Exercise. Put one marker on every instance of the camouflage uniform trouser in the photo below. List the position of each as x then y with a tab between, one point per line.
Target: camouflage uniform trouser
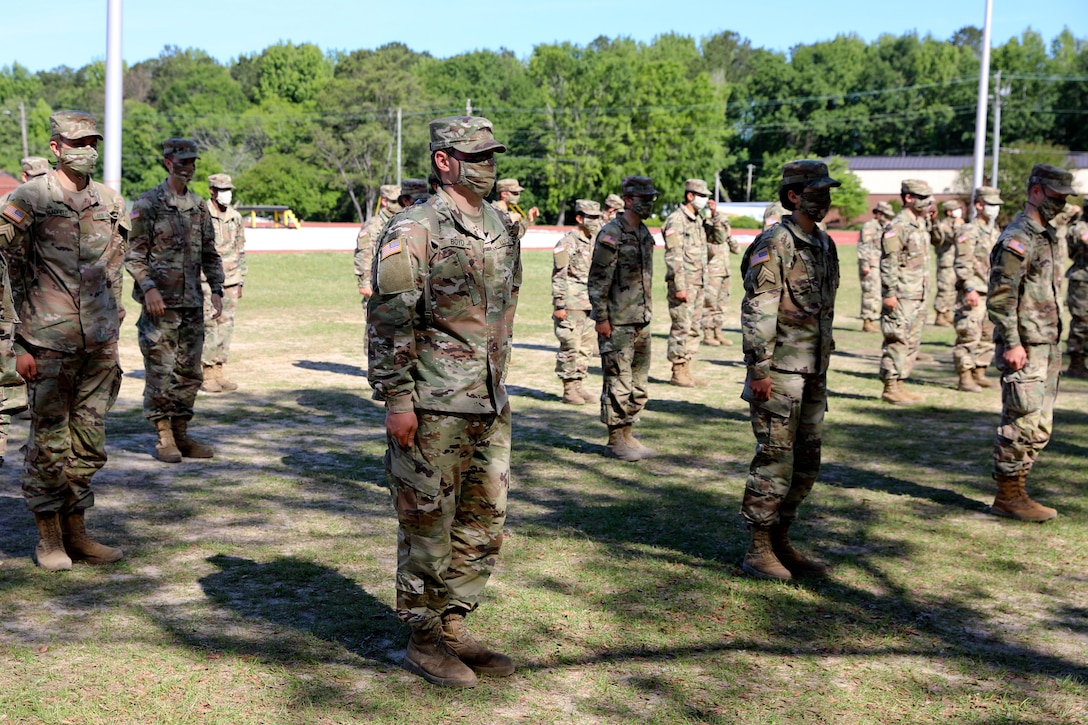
788	430
974	337
1077	301
67	443
716	295
870	290
625	360
576	337
1027	408
449	491
946	280
172	345
685	331
219	332
902	329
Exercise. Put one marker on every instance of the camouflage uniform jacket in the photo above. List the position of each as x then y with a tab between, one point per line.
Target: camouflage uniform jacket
570	271
369	234
719	232
869	242
515	222
1078	252
790	281
1025	285
172	241
440	321
773	214
973	245
230	242
65	253
944	234
621	275
904	257
685	250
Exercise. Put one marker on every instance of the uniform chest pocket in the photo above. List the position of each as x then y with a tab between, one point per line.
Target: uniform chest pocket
804	283
453	281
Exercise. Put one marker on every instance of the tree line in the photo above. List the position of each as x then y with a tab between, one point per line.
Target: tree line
317	130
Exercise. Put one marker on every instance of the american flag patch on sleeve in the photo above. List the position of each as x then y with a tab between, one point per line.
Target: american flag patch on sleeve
13	214
1016	246
390	248
608	240
759	257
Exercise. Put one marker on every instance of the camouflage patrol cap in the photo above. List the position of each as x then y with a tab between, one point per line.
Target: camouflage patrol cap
34	166
73	125
220	181
414	189
697	186
587	207
180	149
638	186
951	204
916	187
389	192
470	134
511	185
1056	179
613	201
813	174
988	195
884	208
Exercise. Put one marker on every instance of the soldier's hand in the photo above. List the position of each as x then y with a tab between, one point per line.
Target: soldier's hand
402	426
533	213
972	299
604	328
891	302
712	205
239	293
560	315
866	269
366	292
681	295
217	306
153	303
761	388
26	366
1016	357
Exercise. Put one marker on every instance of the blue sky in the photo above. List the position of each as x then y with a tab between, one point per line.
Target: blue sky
73	32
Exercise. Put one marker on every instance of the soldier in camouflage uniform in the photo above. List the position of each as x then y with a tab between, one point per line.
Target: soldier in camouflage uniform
791	275
230	242
439	330
412	192
904	272
1024	306
684	232
719	245
974	333
621	293
171	244
370	233
869	266
1077	298
509	191
570	301
613	205
64	237
773	214
944	248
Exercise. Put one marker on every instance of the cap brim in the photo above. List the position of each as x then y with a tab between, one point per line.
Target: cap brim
825	183
479	147
1059	188
83	134
185	155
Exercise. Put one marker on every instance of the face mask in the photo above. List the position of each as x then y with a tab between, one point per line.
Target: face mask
479	178
224	197
1050	208
592	226
699	202
80	160
957	213
921	205
513	199
815	204
991	211
394	207
185	173
642	207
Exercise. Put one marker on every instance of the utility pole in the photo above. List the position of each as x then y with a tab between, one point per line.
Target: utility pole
998	92
22	122
748	194
717	186
983	97
114	97
398	146
468	106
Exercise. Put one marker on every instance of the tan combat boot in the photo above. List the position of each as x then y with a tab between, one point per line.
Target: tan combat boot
760	561
870	326
468	649
586	395
636	445
571	395
190	447
166	449
428	656
211	383
943	319
1012	501
893	393
791	558
50	549
699	382
980	378
680	376
710	338
618	447
725	341
967	382
1076	366
228	386
910	397
81	546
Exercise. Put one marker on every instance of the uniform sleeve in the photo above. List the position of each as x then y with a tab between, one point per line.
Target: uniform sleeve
240	247
891	244
210	261
673	234
602	271
141	230
560	264
362	263
763	284
393	313
1008	261
964	264
115	267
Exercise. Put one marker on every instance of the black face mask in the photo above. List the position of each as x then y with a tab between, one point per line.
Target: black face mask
815	204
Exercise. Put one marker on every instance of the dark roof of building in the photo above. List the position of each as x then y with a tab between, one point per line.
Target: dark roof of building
1078	160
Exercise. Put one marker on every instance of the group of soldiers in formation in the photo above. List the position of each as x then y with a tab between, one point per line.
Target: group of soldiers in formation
440	272
65	240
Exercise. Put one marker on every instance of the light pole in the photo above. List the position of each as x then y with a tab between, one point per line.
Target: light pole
999	91
22	124
748	192
114	97
983	97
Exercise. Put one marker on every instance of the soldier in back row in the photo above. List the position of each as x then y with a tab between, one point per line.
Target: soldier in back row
509	203
943	237
869	265
230	242
370	232
974	347
570	302
719	245
613	205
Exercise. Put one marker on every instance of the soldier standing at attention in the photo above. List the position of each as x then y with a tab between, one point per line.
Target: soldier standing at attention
172	243
974	332
869	266
684	232
621	292
1024	307
944	246
773	214
230	242
791	275
370	233
1077	298
509	191
613	205
64	237
439	330
570	300
719	245
904	272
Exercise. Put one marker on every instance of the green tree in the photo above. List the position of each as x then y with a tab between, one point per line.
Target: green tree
851	199
287	180
295	73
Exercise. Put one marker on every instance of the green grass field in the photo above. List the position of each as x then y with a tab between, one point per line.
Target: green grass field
257	586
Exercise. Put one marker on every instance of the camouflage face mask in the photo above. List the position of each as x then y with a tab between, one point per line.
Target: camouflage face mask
592	226
815	204
1050	208
478	178
80	160
642	207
